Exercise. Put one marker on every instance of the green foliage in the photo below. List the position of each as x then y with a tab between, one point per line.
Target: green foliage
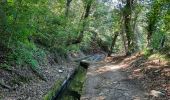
23	55
26	24
158	22
86	43
147	52
5	66
156	39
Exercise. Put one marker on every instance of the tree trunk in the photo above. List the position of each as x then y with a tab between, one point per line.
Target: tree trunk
127	12
149	39
162	41
122	33
135	30
124	41
81	34
87	12
113	43
3	18
67	7
153	19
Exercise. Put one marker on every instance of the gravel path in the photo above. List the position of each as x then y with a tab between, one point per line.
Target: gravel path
109	82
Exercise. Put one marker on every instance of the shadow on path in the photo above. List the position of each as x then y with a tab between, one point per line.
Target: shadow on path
106	81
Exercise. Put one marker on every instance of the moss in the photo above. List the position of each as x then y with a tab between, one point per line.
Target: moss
76	85
79	79
53	90
74	88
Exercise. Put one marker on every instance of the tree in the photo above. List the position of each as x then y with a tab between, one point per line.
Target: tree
127	15
156	24
113	43
153	17
88	4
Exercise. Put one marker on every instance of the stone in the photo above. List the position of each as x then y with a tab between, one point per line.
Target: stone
60	71
156	93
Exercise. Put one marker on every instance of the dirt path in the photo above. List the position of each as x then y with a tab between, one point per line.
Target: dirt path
106	81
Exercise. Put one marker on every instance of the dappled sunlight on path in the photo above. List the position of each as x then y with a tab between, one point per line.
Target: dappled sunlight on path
108	68
107	81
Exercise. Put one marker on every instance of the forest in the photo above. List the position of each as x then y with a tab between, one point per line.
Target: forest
42	42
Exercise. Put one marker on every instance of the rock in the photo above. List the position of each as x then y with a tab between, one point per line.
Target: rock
60	71
29	98
126	94
156	93
100	94
137	71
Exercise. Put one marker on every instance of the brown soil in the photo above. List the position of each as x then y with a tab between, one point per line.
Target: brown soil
25	85
154	74
127	78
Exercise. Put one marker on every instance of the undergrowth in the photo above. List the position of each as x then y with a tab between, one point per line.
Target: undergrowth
23	55
157	54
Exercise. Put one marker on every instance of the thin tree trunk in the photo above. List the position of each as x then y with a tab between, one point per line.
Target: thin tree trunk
135	29
123	35
124	41
67	7
153	19
162	41
3	18
81	34
149	35
113	43
87	12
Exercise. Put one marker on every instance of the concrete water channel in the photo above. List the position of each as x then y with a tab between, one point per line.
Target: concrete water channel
71	87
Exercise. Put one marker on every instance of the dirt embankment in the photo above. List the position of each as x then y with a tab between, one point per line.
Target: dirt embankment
153	72
21	83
